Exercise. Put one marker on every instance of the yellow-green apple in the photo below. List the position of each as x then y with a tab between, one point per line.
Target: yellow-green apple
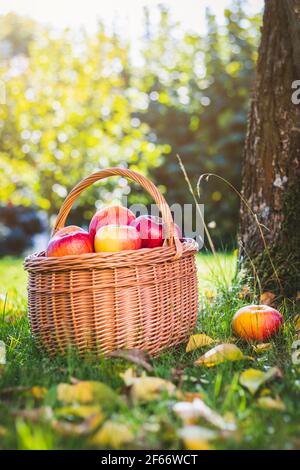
71	240
113	238
256	322
114	215
151	230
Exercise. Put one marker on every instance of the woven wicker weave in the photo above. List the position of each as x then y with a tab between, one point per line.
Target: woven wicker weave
101	302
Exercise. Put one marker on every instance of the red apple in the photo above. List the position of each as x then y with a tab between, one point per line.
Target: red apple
151	230
113	238
256	322
71	240
114	215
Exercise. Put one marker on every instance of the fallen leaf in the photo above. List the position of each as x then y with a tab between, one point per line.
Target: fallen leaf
141	358
267	298
38	392
209	294
82	411
146	388
112	435
262	347
2	353
5	304
252	379
87	392
3	431
198	341
265	391
268	403
221	353
87	426
191	411
197	437
190	396
245	292
297	322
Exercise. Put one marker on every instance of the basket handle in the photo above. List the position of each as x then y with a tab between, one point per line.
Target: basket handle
134	176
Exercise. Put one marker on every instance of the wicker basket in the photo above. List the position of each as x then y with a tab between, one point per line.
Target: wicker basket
100	302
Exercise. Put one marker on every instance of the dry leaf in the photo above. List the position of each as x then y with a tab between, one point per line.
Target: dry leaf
2	353
297	322
252	379
87	426
262	347
197	437
244	292
198	341
112	435
267	298
87	392
268	403
146	388
221	353
191	411
190	396
141	358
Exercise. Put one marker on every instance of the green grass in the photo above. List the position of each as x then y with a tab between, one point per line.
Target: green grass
153	424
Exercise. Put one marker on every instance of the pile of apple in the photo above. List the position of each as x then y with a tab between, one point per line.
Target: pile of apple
111	229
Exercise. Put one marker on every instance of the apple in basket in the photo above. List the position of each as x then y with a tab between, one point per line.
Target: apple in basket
114	215
112	238
151	230
71	240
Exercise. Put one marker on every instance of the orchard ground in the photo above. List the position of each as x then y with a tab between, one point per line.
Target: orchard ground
30	418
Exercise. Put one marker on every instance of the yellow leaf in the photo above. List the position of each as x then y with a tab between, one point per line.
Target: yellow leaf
146	388
209	294
198	341
87	426
262	347
267	298
86	392
2	353
197	437
5	304
38	392
112	435
268	403
297	322
82	411
221	353
252	379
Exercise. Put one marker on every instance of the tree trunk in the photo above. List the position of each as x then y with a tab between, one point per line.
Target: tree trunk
271	170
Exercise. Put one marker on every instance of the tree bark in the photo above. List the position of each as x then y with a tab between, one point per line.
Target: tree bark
271	168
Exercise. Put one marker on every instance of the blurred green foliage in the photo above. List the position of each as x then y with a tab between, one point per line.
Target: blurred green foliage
78	102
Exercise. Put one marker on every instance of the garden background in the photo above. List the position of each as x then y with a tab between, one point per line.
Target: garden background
76	100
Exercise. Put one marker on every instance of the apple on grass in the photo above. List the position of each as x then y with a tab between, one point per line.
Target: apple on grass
112	238
151	230
71	240
256	322
114	215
